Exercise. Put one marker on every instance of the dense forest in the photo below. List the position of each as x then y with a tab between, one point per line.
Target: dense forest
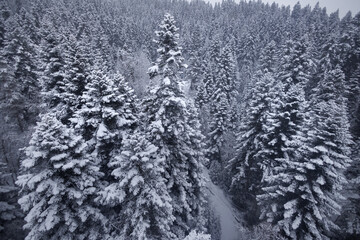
116	114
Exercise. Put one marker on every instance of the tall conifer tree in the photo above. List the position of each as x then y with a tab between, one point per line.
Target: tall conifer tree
167	128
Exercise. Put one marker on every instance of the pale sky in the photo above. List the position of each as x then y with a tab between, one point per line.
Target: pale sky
331	5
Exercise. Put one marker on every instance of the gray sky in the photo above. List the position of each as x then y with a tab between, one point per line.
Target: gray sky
331	5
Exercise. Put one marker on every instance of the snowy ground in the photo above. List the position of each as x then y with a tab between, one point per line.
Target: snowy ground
230	218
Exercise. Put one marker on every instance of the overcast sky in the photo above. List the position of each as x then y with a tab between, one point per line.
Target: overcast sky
331	5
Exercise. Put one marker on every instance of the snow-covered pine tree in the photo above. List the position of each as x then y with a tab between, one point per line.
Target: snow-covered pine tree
210	70
76	69
227	74
58	184
284	135
166	118
196	62
269	58
351	212
108	112
9	209
20	79
107	115
222	110
200	97
349	55
353	101
214	51
316	174
218	126
140	191
209	84
227	82
245	168
4	15
52	67
331	140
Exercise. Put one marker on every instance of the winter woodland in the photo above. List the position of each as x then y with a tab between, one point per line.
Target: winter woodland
178	120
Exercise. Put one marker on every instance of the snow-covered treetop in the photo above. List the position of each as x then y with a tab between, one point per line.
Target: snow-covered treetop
170	60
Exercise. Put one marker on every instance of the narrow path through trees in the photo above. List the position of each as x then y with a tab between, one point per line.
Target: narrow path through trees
230	218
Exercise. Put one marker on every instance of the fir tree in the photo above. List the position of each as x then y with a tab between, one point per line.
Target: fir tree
351	211
284	134
76	74
58	184
222	109
168	129
252	139
20	77
108	112
141	192
10	211
318	170
107	115
52	67
4	15
269	58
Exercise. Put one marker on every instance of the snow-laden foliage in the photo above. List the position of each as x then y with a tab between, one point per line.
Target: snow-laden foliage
58	184
53	53
8	197
303	192
19	75
245	167
140	191
284	136
169	60
193	235
108	109
166	117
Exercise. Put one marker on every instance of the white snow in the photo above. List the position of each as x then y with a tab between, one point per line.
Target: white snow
102	131
231	226
153	69
167	81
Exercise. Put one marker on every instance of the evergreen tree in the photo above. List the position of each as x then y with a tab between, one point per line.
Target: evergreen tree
318	170
58	184
4	15
167	127
107	115
302	193
353	102
252	139
284	137
10	212
284	134
76	74
140	190
200	97
20	79
108	112
222	110
52	67
351	211
244	168
217	127
196	61
269	58
227	82
227	74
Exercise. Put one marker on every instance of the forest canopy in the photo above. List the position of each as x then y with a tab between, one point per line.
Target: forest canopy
116	117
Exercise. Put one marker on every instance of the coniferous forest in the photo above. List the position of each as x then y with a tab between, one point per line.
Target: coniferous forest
178	120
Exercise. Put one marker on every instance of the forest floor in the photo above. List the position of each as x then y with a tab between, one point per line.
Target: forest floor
231	220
